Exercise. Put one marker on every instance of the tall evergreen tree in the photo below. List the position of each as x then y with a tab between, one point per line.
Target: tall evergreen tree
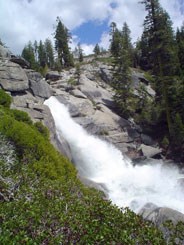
115	42
41	54
162	53
180	46
121	77
62	39
49	53
96	50
80	53
35	45
127	42
29	55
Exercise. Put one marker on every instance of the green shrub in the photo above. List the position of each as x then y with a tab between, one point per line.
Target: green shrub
72	81
49	205
42	129
5	99
21	116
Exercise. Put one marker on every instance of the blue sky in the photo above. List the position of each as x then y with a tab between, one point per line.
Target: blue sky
91	31
88	21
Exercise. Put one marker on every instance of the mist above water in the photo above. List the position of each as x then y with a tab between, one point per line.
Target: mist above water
101	162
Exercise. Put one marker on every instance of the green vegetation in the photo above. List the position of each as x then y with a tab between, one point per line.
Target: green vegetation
62	38
79	52
105	60
21	116
121	49
40	54
43	202
96	50
160	53
5	99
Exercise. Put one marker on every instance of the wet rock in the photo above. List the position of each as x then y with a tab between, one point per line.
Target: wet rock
149	151
147	140
92	184
57	140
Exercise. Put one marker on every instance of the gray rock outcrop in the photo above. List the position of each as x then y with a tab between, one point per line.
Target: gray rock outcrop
20	61
4	53
12	77
29	91
90	103
159	215
33	75
89	99
149	151
40	89
53	75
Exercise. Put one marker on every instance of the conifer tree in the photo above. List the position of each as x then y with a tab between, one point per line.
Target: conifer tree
62	39
49	53
41	54
28	54
127	42
96	50
162	54
35	45
121	77
180	46
80	53
115	42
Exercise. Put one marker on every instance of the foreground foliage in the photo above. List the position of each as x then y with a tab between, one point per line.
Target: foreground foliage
43	202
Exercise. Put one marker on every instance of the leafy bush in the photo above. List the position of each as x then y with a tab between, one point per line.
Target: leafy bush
45	203
21	116
42	129
5	99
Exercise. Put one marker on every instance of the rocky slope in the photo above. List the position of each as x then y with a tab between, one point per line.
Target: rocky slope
89	99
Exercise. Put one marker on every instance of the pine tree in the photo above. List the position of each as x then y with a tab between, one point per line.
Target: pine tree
35	45
127	42
49	53
162	54
96	50
180	46
115	42
121	77
80	53
28	54
62	39
41	54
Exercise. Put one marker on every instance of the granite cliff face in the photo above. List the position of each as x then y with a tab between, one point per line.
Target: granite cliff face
88	97
29	90
90	102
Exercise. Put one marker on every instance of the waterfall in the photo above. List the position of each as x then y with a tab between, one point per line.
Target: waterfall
101	162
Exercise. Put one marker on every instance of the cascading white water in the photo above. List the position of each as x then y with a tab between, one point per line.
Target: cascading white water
103	163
